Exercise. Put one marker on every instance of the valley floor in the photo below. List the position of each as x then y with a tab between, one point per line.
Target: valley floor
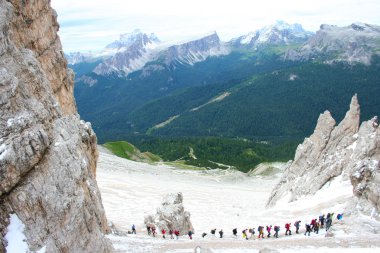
221	200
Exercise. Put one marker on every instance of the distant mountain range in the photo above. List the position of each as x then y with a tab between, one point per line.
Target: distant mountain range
268	84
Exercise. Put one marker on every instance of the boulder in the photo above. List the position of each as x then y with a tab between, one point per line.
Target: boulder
171	215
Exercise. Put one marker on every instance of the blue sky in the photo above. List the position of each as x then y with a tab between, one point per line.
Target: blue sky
89	25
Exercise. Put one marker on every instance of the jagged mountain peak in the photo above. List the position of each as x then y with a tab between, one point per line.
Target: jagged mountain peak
128	39
355	43
280	33
196	50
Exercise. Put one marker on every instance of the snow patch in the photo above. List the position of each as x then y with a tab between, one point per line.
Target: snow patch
15	236
3	151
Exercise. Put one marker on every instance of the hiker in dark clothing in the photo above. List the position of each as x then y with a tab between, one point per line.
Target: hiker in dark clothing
297	225
171	234
287	227
328	223
316	227
252	231
190	233
276	229
213	231
154	231
234	232
308	229
133	229
269	228
221	233
203	235
148	229
322	220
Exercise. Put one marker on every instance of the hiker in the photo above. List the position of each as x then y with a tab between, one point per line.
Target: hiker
316	227
133	229
297	225
171	234
287	226
148	229
203	235
308	229
190	233
234	232
269	228
163	231
221	233
322	220
176	232
213	231
245	236
261	232
339	216
252	231
154	231
312	223
328	222
276	229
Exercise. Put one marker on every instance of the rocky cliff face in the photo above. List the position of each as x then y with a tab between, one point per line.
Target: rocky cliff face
47	155
345	150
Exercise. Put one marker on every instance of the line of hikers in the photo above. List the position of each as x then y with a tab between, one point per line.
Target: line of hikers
314	226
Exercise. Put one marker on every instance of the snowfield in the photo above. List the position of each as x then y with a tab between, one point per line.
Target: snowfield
223	200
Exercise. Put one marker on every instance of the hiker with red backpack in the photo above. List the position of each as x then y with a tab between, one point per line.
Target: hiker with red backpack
276	229
287	227
176	232
163	231
312	223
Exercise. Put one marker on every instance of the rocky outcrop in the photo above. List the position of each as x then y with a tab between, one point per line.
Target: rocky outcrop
47	155
171	215
344	150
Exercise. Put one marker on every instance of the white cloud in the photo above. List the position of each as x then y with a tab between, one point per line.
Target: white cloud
91	24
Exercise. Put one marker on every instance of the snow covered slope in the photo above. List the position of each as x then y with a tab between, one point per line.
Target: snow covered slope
222	200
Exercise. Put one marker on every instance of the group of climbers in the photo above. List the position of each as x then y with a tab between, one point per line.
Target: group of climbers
313	226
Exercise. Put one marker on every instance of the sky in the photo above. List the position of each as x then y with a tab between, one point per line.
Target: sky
89	25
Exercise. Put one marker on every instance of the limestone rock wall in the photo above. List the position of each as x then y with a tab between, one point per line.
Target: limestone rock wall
47	155
332	151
